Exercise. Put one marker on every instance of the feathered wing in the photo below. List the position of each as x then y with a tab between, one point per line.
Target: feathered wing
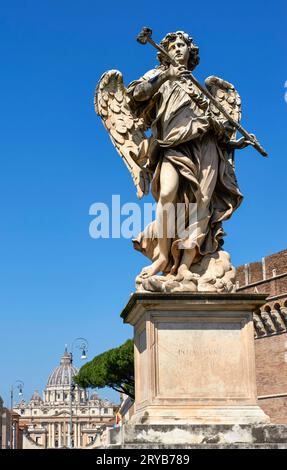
125	130
226	94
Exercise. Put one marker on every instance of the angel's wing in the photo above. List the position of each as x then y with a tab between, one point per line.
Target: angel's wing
225	93
125	130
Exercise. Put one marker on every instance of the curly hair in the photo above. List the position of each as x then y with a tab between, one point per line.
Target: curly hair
193	60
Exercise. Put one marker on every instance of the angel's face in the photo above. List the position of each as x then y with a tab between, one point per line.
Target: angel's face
178	50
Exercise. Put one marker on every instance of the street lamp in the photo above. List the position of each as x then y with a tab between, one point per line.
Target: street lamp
82	344
19	384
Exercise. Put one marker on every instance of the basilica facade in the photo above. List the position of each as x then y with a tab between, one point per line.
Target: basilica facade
65	416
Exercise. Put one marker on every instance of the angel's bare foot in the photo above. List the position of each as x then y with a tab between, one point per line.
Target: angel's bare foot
156	267
174	269
184	273
169	276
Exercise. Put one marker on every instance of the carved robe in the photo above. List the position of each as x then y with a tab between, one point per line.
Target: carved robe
182	127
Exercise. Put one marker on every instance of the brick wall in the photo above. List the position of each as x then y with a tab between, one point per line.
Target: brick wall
271	359
269	276
273	265
255	272
277	261
275	408
271	373
240	276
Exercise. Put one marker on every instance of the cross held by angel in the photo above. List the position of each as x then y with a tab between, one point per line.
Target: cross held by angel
188	159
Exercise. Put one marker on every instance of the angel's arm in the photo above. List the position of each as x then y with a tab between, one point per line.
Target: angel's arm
224	131
147	88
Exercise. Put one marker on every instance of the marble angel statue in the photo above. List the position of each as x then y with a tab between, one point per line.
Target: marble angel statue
188	159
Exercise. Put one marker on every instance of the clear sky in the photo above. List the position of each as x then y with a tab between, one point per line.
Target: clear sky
56	282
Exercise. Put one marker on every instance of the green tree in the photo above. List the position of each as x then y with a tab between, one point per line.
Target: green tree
113	368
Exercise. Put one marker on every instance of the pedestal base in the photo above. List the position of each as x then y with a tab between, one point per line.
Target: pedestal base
200	415
194	358
175	436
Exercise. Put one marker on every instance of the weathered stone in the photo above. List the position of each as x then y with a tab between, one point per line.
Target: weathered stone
199	436
194	358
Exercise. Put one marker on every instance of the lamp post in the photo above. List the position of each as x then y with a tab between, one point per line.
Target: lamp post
20	385
82	344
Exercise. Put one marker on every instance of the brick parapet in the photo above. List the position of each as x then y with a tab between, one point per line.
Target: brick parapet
269	276
270	273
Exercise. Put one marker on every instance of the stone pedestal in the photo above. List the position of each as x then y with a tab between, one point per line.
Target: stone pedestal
198	436
194	358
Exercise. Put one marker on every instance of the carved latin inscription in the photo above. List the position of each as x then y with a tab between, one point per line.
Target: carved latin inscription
205	357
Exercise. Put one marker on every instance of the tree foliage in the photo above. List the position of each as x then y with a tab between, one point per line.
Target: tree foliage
113	368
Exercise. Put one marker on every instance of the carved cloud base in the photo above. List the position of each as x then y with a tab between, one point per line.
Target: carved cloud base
214	273
194	358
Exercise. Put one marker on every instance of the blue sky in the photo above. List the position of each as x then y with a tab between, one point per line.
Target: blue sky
56	282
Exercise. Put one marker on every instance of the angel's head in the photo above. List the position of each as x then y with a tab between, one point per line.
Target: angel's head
180	47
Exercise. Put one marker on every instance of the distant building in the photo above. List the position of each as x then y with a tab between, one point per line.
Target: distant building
269	276
6	430
46	422
10	432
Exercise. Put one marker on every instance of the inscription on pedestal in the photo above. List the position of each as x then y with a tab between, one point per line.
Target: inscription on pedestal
203	357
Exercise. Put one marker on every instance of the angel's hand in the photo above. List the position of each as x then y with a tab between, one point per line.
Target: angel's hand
242	143
252	141
176	72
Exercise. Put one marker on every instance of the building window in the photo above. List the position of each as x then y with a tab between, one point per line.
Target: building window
106	410
93	411
38	439
35	412
65	396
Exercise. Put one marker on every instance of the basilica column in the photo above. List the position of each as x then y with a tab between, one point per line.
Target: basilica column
64	434
75	435
49	435
79	434
53	435
60	434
